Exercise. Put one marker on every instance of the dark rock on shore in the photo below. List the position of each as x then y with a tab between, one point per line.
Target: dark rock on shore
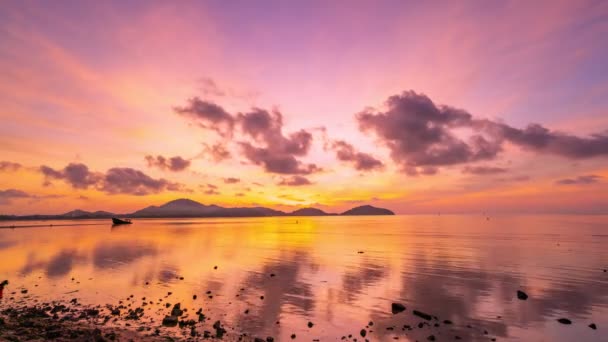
422	315
397	308
564	321
593	326
521	295
170	321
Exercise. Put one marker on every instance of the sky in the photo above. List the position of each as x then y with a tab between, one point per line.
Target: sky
419	107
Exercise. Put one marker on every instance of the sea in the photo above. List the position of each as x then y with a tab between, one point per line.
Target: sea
327	278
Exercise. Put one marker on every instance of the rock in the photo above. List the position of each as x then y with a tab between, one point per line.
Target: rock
177	310
564	321
269	339
187	323
593	326
92	312
219	330
447	321
422	315
259	339
194	297
170	321
272	275
293	336
397	308
521	295
310	324
363	332
431	338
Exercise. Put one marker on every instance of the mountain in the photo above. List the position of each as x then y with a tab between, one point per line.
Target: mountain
178	208
309	212
79	214
368	210
189	208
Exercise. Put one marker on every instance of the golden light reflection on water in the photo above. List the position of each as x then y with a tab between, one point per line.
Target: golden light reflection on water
338	272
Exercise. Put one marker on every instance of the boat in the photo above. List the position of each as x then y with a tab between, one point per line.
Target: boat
120	221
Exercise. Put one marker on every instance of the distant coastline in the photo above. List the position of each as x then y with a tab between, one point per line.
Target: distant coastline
191	209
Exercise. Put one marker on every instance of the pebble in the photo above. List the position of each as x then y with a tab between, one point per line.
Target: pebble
521	295
397	308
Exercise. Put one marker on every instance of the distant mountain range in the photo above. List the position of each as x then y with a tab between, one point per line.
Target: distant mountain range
189	208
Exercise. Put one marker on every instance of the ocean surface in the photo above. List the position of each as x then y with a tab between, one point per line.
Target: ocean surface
340	273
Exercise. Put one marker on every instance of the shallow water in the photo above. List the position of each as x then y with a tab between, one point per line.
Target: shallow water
338	272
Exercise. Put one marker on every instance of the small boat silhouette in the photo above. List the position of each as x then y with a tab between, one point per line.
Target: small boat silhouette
120	221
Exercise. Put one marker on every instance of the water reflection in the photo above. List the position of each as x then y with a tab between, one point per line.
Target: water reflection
107	255
462	269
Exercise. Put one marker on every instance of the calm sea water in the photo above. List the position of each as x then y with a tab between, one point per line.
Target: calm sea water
338	272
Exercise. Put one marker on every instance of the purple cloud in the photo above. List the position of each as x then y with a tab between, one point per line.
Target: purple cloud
8	195
217	152
361	161
9	166
75	174
421	134
208	115
483	170
175	164
295	181
266	144
231	180
114	181
134	182
580	180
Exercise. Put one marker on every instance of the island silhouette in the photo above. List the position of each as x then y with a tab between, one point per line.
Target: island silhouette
184	207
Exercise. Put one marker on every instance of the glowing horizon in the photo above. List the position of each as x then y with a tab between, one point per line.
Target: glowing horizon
459	108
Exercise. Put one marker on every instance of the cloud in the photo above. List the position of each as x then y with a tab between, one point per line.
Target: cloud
114	181
231	180
278	152
217	152
295	181
8	195
208	115
9	166
175	164
483	170
580	180
540	139
421	134
265	143
209	87
134	182
361	161
211	192
75	174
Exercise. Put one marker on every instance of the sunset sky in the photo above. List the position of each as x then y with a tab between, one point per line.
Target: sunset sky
419	107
